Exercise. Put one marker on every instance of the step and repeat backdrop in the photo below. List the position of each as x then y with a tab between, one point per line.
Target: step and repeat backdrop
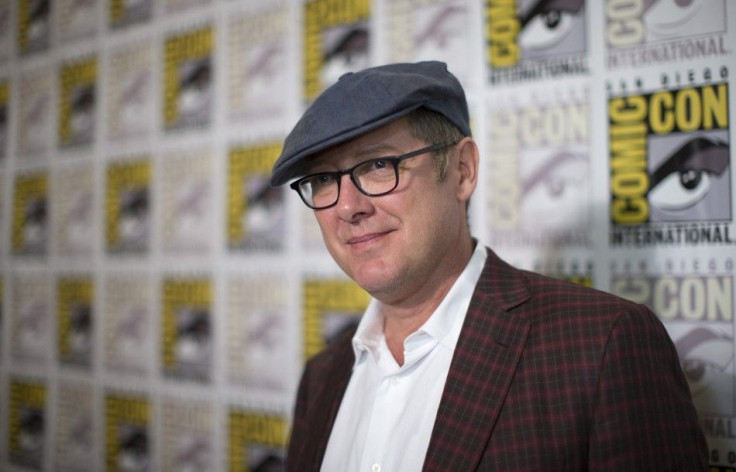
158	299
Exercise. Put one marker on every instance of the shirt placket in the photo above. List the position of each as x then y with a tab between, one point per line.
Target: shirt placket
389	400
391	397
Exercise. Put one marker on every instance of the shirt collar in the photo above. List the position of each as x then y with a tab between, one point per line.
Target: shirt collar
444	325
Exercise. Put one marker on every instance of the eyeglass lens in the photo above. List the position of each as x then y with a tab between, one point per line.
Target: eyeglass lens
372	177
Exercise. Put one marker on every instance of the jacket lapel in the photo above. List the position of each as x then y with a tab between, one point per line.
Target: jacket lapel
330	392
484	363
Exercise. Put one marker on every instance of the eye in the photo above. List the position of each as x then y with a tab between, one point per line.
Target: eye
320	181
555	186
564	171
546	29
317	183
374	168
667	16
686	177
378	164
680	190
705	355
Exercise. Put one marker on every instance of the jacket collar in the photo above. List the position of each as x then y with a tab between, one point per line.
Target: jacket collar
482	368
329	391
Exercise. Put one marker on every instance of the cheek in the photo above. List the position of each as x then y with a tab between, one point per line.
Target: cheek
328	226
328	231
438	216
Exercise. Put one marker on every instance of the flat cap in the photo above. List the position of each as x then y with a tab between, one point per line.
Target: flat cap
362	101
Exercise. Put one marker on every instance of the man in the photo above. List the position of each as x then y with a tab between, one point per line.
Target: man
460	362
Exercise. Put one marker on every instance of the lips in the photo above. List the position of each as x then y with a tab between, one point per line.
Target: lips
365	238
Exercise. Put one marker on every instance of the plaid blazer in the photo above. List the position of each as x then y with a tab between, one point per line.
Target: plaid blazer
546	375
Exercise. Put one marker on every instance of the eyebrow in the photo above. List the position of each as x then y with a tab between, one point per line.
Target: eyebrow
698	153
549	165
376	151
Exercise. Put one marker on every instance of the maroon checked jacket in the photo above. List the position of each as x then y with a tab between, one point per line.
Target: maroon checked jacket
546	375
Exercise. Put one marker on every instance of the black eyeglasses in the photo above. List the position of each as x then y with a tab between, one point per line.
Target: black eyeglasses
373	177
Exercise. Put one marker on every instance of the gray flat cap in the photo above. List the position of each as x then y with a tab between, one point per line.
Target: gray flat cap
362	101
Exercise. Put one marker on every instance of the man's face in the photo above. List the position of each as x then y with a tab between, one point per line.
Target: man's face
401	244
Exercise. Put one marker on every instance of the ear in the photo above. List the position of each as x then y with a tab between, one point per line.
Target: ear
467	167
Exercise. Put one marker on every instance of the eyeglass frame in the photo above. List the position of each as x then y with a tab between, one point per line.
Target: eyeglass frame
394	160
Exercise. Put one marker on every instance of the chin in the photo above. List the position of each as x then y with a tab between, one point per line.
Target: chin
375	281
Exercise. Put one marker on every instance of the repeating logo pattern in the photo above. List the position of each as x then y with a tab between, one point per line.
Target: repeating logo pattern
156	289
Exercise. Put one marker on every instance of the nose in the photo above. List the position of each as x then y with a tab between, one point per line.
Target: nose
352	204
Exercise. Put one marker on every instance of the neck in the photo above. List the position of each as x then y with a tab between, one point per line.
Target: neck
404	317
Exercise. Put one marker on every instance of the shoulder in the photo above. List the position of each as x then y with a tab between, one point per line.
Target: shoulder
509	288
543	296
553	297
562	293
557	307
592	323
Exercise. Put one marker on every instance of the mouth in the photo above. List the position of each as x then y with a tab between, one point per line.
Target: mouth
365	238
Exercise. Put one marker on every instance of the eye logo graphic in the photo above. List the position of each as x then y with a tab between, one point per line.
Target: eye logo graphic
194	453
133	454
704	352
256	213
195	90
707	360
128	206
336	41
27	425
261	80
433	31
265	209
34	26
31	430
442	25
559	181
684	180
193	338
188	79
257	440
187	329
77	103
533	30
345	49
324	321
127	445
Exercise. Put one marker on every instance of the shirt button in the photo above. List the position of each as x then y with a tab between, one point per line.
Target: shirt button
394	381
376	468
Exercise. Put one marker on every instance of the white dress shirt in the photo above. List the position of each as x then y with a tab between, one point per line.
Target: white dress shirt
386	417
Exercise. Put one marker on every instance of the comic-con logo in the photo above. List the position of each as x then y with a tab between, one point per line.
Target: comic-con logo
669	156
519	31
